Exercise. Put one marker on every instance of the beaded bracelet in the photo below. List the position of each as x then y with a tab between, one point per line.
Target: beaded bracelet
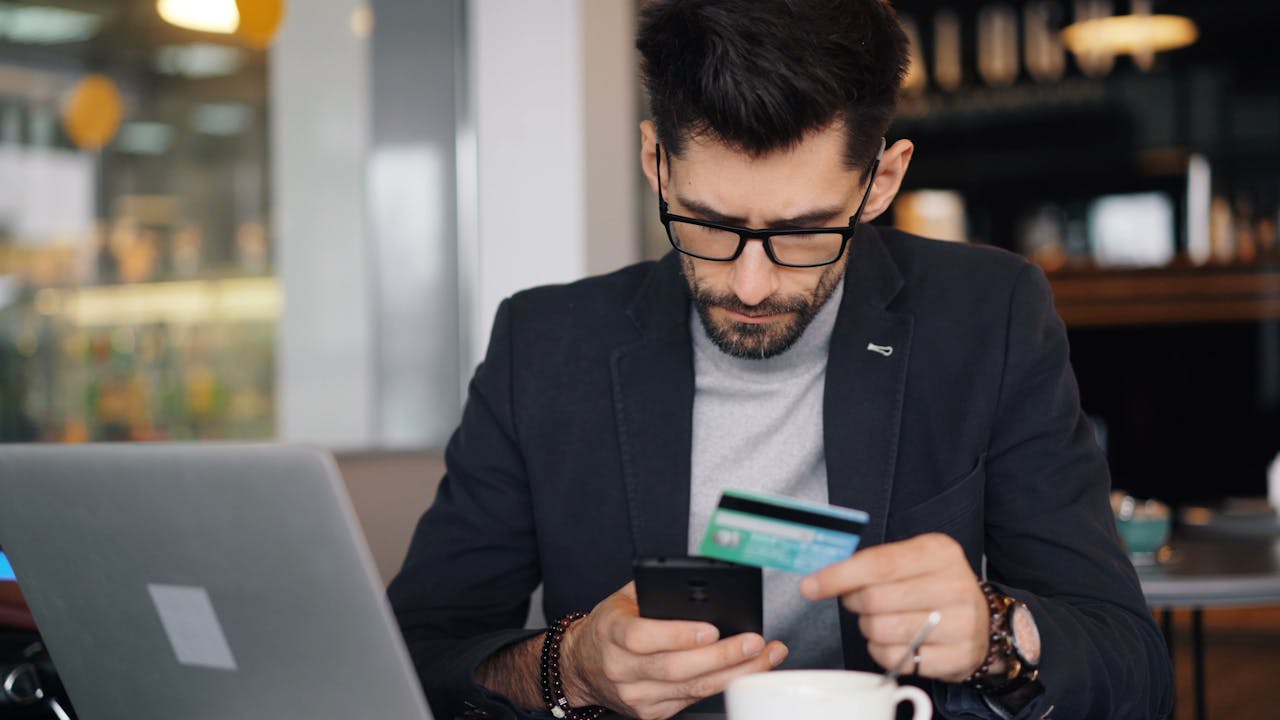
552	684
997	638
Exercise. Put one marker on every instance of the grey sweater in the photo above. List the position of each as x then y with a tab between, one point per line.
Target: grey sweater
757	425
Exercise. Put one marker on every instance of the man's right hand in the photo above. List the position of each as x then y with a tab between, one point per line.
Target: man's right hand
651	669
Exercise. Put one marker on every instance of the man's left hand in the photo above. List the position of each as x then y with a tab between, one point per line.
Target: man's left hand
893	588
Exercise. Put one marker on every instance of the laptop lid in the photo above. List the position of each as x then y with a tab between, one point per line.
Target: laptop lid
203	581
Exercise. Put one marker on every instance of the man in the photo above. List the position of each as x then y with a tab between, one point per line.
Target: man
922	382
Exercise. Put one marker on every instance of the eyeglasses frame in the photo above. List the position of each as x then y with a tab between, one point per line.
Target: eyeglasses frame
763	235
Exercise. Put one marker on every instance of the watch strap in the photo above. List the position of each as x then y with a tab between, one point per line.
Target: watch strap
1018	671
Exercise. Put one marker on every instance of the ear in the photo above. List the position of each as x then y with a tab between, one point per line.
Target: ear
893	168
649	154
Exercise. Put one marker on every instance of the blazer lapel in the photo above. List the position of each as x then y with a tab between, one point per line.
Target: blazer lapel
862	403
653	407
653	389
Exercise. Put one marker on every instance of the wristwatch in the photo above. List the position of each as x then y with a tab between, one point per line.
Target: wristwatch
1014	639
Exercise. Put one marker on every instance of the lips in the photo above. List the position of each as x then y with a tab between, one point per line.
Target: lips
749	318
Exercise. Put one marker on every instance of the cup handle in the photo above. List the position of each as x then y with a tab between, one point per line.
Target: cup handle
918	698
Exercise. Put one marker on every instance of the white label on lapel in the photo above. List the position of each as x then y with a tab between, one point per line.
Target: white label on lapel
885	350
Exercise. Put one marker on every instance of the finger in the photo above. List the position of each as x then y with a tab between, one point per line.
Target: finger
671	708
651	699
951	663
644	636
902	628
645	696
922	593
891	657
715	682
639	695
886	563
622	602
685	665
627	591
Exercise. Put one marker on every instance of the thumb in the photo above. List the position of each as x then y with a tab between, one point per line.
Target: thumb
628	591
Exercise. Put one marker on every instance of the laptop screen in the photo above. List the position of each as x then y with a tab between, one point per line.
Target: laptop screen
6	570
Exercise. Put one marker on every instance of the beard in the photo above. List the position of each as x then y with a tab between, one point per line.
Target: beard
760	341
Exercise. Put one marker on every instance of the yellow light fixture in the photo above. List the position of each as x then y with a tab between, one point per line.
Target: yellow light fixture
256	22
212	16
1130	34
93	112
259	21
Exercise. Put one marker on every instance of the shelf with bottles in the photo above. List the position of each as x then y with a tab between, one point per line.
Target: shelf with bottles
1189	248
1216	259
176	360
1179	293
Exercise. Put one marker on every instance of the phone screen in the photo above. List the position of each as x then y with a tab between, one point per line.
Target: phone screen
6	570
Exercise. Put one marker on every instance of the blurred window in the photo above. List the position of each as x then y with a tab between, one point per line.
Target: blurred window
137	294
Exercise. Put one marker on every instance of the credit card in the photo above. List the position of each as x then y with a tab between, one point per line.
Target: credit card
773	531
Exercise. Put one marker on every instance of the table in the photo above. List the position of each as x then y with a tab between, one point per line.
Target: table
1210	570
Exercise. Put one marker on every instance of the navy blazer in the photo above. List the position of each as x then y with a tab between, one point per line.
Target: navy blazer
573	457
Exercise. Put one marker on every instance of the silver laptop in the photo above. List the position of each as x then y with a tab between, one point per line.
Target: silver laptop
208	581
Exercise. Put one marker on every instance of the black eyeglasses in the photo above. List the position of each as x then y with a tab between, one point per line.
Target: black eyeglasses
790	247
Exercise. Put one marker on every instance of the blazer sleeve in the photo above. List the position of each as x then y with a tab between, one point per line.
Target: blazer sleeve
1051	540
463	591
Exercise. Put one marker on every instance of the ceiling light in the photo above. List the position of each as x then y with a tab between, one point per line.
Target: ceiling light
35	25
93	110
1130	34
224	119
198	60
214	16
145	138
260	21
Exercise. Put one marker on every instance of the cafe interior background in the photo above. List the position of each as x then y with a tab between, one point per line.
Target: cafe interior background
228	220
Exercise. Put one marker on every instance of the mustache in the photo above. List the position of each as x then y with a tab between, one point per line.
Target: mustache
768	306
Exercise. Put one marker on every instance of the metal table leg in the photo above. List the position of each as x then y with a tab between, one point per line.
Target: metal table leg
1166	629
1197	645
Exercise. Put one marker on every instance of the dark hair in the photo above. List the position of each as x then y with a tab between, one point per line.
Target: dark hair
761	74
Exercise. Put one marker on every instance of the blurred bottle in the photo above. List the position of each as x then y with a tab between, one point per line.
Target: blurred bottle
1268	242
187	252
1273	483
252	250
1042	237
1221	230
1246	230
938	214
1265	216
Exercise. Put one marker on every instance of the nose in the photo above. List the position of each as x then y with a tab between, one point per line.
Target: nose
755	276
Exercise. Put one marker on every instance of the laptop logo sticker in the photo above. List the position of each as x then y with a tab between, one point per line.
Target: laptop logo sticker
186	612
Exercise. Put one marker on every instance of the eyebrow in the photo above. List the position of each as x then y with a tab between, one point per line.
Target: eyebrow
809	219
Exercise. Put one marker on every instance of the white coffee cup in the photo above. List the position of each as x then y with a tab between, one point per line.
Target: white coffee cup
821	695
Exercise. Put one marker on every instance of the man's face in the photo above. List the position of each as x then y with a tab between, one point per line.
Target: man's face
752	307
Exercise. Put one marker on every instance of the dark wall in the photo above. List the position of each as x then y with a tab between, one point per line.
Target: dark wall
1192	412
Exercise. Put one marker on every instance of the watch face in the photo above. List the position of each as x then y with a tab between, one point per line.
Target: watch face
1026	638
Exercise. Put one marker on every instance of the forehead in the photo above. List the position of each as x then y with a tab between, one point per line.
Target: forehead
811	173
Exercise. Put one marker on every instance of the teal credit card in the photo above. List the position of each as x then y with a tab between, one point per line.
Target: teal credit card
779	532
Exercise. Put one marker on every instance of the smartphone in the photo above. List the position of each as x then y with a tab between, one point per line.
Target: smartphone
725	594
